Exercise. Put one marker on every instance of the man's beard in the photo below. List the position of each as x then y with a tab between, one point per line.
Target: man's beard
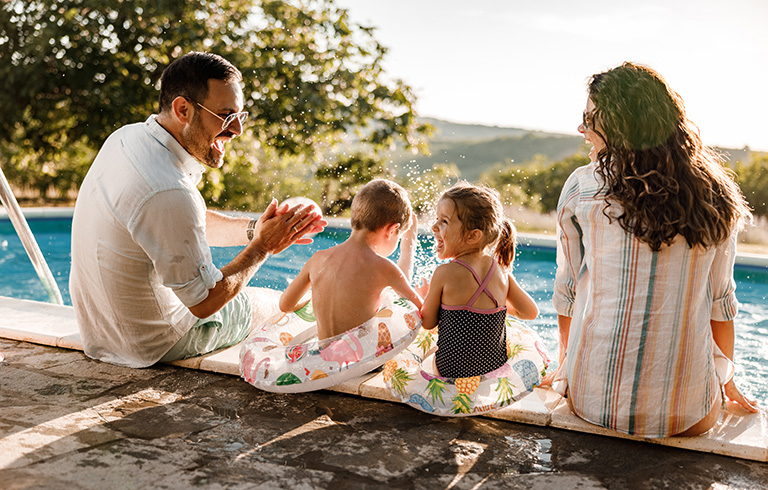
199	144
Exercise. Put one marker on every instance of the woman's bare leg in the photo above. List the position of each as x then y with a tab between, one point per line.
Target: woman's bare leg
706	423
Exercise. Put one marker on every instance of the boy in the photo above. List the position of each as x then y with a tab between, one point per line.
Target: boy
347	280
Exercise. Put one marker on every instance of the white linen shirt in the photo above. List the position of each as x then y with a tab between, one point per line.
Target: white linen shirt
640	357
140	258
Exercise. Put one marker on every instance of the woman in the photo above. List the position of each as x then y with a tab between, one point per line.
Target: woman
646	243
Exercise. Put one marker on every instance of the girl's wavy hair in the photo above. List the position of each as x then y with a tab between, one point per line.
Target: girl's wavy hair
479	208
654	165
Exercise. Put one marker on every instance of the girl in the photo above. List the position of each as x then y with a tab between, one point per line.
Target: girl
467	296
644	289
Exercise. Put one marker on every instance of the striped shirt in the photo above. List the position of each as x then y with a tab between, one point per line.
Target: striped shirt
640	349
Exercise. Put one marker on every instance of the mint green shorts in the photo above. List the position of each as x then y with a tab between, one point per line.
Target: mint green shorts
224	328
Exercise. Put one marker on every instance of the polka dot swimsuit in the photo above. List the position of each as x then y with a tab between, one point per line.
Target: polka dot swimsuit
471	341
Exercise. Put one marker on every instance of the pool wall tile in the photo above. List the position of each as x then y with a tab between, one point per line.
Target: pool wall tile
191	363
375	387
71	341
352	386
32	321
530	409
739	434
225	361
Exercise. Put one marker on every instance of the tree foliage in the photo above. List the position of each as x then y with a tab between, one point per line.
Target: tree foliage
753	179
75	70
538	181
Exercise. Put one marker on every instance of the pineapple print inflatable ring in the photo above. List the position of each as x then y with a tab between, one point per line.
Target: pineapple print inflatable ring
413	378
284	354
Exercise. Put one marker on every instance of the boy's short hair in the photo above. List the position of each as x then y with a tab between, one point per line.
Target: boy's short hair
380	203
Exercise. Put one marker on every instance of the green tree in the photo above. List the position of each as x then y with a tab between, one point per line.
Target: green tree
539	180
753	179
75	70
340	179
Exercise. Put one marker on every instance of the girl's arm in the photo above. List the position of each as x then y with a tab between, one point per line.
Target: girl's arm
519	303
722	333
408	248
295	290
432	301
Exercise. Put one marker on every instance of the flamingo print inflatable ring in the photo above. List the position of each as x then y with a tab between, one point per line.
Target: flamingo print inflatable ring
284	354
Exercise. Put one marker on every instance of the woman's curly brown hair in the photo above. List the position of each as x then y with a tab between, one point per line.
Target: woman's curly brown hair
654	165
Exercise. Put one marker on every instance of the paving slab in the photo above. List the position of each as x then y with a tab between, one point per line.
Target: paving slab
63	413
739	433
168	427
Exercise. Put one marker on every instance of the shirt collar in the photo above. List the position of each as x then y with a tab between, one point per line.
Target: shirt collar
187	163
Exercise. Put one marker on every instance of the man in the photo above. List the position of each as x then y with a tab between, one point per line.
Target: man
143	284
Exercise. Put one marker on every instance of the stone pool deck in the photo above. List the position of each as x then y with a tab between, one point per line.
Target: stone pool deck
70	422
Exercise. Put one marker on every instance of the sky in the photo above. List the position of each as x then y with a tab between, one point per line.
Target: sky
525	64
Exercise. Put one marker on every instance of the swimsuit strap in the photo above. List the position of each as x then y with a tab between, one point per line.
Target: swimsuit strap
483	284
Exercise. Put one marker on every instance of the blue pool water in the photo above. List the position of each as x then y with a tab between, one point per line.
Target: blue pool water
534	269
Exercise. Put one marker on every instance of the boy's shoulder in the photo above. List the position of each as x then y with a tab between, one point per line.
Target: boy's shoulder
324	255
347	251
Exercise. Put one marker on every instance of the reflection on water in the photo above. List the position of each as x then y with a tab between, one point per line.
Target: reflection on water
534	269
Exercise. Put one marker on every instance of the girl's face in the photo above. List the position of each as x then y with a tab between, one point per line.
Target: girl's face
587	128
448	230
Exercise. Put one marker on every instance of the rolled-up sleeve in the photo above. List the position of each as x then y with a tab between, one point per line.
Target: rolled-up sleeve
721	281
570	249
173	237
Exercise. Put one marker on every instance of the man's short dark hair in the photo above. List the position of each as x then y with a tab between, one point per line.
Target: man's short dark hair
188	77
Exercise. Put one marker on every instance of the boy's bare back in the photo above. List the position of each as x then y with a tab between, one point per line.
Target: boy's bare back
347	281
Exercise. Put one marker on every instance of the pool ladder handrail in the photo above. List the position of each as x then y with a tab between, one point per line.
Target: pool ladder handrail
28	240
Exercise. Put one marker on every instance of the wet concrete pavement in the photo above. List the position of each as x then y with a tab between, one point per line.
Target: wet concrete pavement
67	422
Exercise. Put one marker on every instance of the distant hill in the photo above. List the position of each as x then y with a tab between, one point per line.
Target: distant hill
475	148
450	131
733	155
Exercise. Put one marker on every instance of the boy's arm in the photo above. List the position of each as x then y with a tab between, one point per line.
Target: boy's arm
408	244
295	290
431	306
519	303
401	285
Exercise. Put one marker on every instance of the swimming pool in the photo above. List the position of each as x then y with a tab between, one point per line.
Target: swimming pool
534	269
